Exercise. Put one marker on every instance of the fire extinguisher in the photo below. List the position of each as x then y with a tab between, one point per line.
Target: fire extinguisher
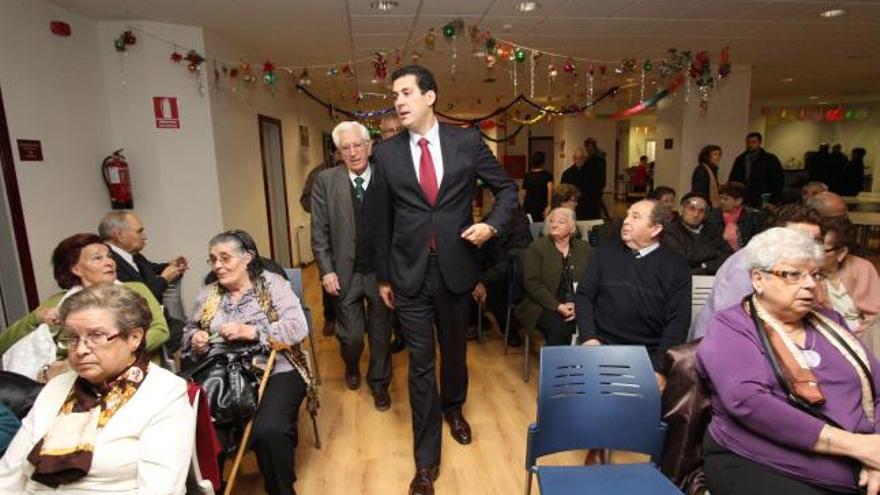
118	181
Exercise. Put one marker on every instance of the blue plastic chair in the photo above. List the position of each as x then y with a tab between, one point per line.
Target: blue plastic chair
295	277
597	397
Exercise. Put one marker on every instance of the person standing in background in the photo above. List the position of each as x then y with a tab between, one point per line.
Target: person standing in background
760	172
538	187
589	177
704	180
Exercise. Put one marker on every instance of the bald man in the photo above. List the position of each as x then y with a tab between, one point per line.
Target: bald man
829	205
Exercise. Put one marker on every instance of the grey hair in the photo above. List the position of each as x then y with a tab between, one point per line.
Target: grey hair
659	211
113	220
346	126
777	244
568	213
129	309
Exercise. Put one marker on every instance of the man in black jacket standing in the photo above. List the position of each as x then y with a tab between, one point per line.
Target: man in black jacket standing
427	253
760	171
589	178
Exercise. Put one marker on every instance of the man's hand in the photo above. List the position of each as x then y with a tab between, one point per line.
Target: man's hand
330	282
592	342
49	316
387	294
175	268
479	293
478	233
661	381
566	310
200	342
237	331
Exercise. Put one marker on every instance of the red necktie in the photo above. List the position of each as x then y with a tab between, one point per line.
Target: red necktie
428	179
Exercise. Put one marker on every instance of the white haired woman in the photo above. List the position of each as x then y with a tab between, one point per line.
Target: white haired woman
551	265
116	423
793	392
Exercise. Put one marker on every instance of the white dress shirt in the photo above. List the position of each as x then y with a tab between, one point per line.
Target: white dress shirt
366	174
647	250
128	257
433	137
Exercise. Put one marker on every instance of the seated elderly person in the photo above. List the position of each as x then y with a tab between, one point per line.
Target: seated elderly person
851	286
665	195
565	195
811	189
551	266
240	312
636	291
737	222
698	242
793	392
79	261
116	423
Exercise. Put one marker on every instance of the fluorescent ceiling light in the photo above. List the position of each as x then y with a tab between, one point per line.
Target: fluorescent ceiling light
787	79
527	6
384	5
828	14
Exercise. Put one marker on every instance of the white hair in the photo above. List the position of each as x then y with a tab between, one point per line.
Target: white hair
346	126
114	220
770	247
569	214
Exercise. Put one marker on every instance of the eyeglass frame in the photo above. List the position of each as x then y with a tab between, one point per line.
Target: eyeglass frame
65	342
785	275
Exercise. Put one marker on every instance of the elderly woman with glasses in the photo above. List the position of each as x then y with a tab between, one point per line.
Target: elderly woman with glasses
79	261
240	312
116	423
794	394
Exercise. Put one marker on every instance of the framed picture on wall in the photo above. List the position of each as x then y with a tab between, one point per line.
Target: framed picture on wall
327	143
304	136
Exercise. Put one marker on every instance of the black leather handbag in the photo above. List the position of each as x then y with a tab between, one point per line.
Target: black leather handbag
230	381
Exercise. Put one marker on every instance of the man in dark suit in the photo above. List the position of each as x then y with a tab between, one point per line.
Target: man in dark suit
124	233
589	177
760	171
343	249
427	253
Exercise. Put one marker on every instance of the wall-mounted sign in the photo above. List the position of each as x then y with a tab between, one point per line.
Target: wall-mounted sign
166	112
668	143
30	150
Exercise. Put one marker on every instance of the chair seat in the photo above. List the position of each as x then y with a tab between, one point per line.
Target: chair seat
605	479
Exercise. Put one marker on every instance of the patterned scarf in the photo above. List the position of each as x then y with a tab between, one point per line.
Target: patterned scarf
731	228
65	454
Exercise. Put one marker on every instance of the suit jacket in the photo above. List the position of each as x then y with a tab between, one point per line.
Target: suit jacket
766	176
148	275
404	220
333	223
146	446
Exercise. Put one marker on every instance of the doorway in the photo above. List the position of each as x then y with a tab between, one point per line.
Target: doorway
275	187
18	287
544	145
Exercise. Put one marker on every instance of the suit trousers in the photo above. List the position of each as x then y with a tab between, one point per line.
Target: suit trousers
434	303
360	310
274	435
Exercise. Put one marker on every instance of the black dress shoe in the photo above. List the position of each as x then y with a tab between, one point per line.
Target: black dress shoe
459	427
381	399
353	380
423	482
397	345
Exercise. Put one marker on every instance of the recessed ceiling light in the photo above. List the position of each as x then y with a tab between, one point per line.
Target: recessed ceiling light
828	14
813	97
787	79
527	6
384	5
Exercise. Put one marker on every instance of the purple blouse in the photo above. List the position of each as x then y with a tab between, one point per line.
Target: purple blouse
291	326
750	415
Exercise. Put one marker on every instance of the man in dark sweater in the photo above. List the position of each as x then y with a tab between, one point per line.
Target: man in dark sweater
760	171
697	241
589	177
635	291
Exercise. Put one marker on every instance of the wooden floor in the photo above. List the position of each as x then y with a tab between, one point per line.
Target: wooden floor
370	452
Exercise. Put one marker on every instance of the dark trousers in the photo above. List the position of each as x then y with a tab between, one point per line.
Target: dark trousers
274	435
731	474
556	330
353	319
417	313
328	301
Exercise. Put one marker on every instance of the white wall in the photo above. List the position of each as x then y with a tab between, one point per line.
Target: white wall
53	90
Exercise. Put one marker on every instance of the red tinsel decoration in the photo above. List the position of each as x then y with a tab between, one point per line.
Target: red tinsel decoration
176	57
268	66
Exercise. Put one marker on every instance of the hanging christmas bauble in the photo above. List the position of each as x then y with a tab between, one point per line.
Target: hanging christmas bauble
490	61
834	114
850	114
270	78
519	55
448	31
569	67
648	66
430	39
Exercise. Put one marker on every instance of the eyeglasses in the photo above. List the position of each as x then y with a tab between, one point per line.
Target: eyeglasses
832	249
224	260
354	147
796	276
91	340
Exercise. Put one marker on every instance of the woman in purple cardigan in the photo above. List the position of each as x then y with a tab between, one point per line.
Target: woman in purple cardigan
794	395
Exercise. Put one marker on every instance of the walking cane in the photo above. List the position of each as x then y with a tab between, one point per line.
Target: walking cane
276	346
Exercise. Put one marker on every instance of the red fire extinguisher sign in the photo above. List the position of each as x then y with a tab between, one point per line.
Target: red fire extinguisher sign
166	112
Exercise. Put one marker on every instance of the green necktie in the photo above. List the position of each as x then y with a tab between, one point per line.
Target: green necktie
359	188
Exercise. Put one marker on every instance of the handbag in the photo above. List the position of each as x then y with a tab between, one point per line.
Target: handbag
230	381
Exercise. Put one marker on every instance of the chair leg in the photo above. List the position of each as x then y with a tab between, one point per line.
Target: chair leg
314	356
315	431
480	323
528	482
507	327
526	355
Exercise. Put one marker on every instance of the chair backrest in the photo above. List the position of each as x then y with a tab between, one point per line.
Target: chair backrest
586	225
173	301
596	397
701	288
295	277
537	229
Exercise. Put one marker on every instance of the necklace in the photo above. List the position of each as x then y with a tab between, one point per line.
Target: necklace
812	358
